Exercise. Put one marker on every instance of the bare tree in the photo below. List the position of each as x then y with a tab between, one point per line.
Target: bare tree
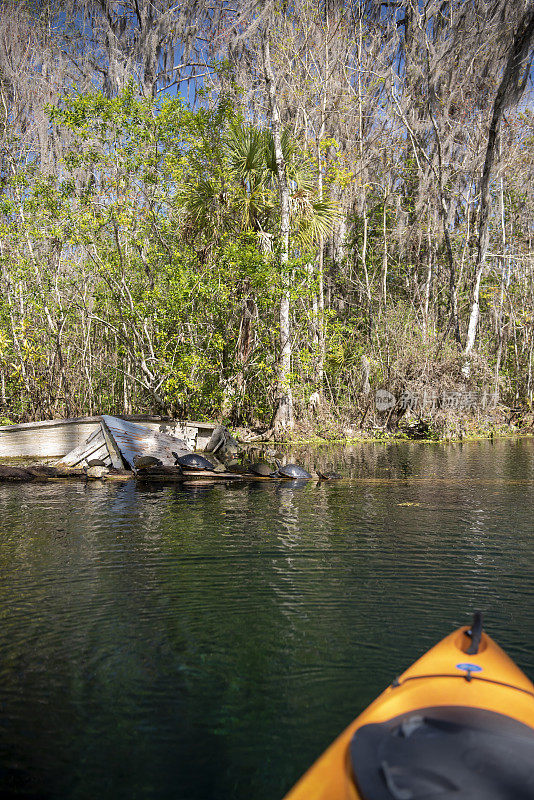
511	87
283	418
33	74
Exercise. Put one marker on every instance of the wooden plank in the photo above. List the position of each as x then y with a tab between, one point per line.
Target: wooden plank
48	423
45	441
113	450
87	450
96	447
140	419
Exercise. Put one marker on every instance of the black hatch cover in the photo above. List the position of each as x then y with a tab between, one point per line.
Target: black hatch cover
445	753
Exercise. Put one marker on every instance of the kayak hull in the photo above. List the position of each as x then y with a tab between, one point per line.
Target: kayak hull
445	676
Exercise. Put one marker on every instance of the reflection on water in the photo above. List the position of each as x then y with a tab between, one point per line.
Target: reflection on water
194	641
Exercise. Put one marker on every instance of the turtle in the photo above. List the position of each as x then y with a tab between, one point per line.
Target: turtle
292	471
96	472
144	462
260	468
192	461
237	468
96	462
327	476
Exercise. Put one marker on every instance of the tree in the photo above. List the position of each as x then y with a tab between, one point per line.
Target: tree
283	418
511	87
239	193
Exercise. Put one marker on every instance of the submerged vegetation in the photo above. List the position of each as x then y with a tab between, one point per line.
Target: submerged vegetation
336	200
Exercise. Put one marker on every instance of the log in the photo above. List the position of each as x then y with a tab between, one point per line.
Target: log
177	474
45	472
14	473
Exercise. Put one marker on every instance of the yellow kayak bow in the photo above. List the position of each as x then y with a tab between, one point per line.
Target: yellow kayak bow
457	725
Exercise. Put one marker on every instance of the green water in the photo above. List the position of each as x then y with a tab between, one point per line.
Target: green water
188	643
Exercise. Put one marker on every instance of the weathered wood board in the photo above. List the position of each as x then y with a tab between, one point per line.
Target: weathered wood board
137	440
46	439
113	450
94	447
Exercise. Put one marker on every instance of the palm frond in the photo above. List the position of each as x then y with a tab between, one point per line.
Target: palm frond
312	217
245	147
202	206
298	167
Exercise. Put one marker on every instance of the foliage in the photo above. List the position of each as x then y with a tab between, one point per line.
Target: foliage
162	221
142	261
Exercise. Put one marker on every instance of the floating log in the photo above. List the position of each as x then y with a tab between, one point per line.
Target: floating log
45	471
177	474
8	473
40	473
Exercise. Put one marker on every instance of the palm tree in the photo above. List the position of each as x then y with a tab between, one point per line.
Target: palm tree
241	195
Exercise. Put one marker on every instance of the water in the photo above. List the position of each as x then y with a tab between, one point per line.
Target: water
190	643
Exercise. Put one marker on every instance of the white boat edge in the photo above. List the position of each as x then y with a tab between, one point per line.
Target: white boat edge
57	437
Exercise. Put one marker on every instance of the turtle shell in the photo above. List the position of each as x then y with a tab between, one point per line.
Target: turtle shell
194	461
144	462
96	472
293	471
237	469
261	468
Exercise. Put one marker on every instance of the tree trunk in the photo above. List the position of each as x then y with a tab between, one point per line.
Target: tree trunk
283	418
510	88
384	272
319	317
428	283
368	296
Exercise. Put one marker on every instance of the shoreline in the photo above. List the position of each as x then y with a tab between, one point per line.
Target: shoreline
443	430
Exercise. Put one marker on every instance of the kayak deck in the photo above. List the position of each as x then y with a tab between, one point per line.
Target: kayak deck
449	753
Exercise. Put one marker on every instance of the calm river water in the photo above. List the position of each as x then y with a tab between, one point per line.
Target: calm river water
209	643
